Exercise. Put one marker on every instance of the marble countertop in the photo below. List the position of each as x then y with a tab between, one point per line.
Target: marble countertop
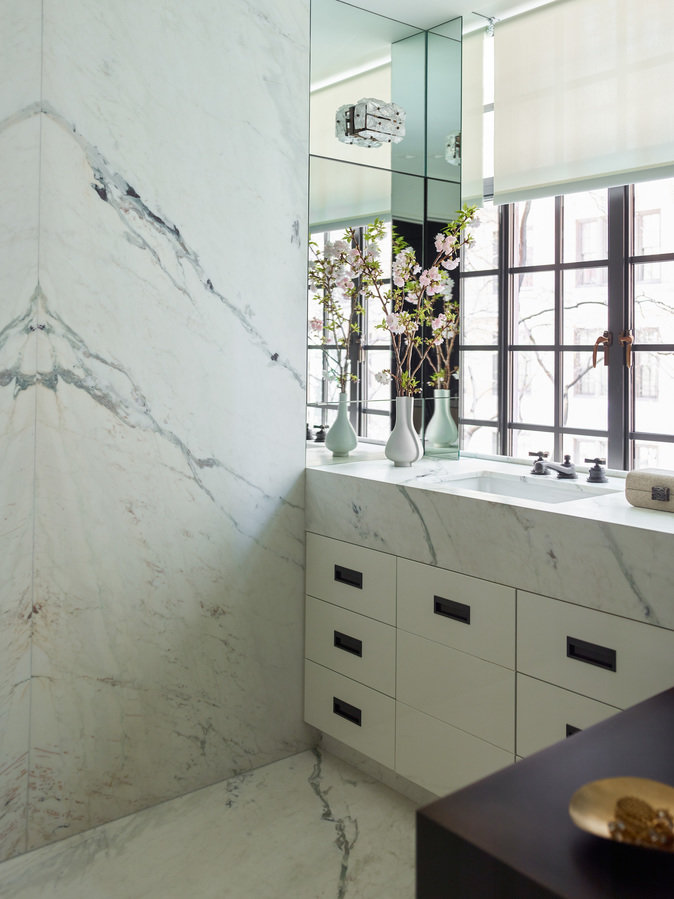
599	551
368	462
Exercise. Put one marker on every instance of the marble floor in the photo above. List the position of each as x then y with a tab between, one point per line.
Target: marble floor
306	827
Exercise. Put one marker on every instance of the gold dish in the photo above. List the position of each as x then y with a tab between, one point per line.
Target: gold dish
631	810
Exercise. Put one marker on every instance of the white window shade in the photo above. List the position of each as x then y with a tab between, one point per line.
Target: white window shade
582	97
472	114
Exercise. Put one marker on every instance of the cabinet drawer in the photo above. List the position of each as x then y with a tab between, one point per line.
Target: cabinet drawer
602	656
439	757
457	688
464	612
352	644
547	714
359	579
358	716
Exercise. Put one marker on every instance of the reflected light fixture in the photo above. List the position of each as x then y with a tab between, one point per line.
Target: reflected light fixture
453	148
370	123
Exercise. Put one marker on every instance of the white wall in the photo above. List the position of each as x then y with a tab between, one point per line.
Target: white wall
152	447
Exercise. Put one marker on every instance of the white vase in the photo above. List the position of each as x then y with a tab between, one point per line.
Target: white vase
341	437
404	446
441	431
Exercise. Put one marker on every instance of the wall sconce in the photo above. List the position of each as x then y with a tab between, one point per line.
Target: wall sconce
370	123
453	148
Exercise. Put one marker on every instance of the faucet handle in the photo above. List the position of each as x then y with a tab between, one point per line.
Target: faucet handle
541	455
597	475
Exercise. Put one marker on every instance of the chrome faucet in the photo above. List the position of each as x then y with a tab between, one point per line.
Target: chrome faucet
565	469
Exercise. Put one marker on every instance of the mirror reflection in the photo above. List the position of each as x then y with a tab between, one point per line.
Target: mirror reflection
366	65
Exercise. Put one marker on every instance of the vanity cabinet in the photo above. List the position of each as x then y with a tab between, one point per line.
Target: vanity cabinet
349	683
577	666
455	676
445	678
410	664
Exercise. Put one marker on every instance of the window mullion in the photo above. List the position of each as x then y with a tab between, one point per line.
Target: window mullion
559	330
618	318
505	387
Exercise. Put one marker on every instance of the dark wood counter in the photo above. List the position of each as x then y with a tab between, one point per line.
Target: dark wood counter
510	836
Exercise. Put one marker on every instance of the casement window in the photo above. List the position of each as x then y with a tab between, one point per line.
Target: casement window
576	279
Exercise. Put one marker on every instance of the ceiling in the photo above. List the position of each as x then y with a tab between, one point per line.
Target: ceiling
428	13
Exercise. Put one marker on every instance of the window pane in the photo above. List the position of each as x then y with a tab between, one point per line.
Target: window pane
479	316
581	447
479	378
648	454
585	392
585	305
479	439
534	308
533	380
315	376
525	442
654	304
376	361
586	226
375	316
654	217
654	392
376	427
534	235
482	254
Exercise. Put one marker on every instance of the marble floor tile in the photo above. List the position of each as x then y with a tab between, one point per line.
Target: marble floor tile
307	827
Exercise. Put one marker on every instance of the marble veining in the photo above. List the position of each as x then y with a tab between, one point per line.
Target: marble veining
601	553
307	826
152	387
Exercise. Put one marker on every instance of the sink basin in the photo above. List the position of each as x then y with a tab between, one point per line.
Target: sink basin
540	488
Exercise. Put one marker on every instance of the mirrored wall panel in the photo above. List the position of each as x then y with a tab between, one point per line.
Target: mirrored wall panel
385	144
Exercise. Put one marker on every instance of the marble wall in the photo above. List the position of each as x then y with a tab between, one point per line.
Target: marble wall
152	326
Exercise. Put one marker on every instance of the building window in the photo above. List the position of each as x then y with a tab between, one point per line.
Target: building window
558	288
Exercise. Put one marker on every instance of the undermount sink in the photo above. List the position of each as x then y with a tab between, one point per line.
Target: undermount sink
540	488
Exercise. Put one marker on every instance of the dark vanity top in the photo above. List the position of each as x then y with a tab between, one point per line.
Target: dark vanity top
510	836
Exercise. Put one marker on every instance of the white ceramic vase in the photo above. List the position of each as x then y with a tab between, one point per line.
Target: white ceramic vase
341	437
404	446
441	431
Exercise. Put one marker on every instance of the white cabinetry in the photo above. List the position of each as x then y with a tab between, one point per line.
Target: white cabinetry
444	677
578	665
432	699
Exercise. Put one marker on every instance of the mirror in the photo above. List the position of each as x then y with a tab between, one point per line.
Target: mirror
413	185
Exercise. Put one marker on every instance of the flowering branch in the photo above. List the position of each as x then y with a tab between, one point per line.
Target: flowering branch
332	275
409	305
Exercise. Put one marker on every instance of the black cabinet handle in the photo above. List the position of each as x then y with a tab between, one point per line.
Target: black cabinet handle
571	730
348	576
449	608
348	644
345	710
591	653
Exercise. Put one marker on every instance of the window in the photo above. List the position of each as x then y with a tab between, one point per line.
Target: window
370	354
568	271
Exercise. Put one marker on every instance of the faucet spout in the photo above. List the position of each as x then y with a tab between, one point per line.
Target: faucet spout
565	470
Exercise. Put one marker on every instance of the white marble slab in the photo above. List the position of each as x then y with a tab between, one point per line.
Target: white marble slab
19	179
601	553
305	827
155	439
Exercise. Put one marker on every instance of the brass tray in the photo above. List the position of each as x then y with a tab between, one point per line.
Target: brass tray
593	806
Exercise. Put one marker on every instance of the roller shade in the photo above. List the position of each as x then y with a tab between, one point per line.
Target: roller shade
582	97
472	114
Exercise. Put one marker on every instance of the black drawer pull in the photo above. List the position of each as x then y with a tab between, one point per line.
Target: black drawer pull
348	644
349	577
571	730
449	608
344	710
591	653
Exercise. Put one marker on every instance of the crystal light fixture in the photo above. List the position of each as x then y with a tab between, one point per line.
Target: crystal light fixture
370	123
